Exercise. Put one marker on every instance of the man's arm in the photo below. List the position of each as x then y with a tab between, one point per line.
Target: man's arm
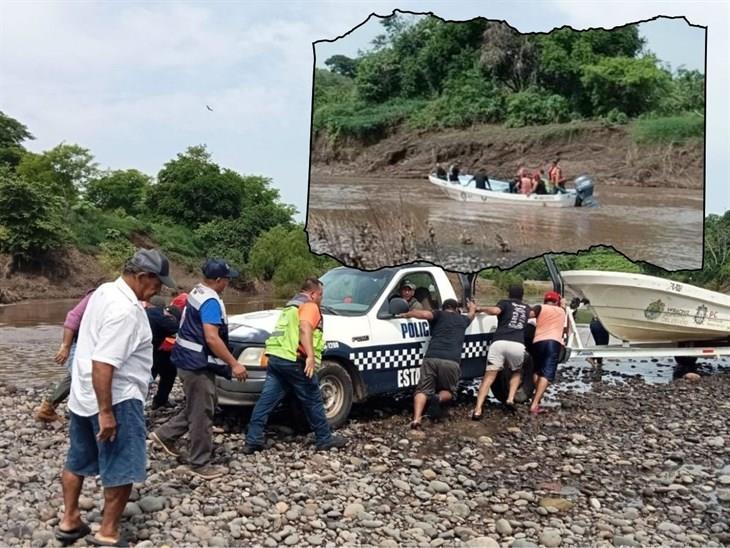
63	351
418	314
491	310
101	380
471	310
220	350
306	339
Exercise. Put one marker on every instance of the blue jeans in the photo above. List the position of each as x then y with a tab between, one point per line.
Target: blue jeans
282	377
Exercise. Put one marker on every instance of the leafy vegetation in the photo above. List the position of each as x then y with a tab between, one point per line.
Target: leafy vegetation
193	209
668	129
428	73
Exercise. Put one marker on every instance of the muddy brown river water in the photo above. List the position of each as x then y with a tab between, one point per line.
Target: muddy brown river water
30	333
661	226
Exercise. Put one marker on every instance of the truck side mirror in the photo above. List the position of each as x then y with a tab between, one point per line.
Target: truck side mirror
396	305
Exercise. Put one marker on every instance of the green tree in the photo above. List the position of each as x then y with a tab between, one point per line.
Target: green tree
631	86
511	57
282	254
121	189
12	135
192	190
64	170
343	65
564	52
535	107
31	218
686	94
378	76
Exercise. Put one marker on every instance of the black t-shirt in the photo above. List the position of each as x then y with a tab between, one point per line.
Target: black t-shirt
447	335
512	321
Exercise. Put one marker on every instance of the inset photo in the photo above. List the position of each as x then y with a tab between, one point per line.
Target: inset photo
471	145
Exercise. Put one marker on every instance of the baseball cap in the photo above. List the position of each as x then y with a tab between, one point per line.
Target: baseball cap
552	297
218	268
408	283
450	303
154	262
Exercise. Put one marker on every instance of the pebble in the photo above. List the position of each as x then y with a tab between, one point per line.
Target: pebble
550	537
503	527
151	504
482	542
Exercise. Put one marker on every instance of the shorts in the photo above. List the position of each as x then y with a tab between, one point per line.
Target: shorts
505	352
547	354
118	462
438	374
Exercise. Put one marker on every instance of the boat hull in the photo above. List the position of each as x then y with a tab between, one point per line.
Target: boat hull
463	193
640	308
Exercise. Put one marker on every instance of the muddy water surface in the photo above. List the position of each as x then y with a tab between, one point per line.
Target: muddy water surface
661	226
30	333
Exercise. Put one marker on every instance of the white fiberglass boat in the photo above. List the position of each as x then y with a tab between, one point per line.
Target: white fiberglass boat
465	191
646	309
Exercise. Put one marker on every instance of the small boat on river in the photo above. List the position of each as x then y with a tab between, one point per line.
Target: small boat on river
465	191
646	309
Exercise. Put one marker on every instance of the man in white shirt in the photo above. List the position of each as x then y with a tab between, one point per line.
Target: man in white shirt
110	376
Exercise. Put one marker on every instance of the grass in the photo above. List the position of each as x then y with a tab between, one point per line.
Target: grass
668	129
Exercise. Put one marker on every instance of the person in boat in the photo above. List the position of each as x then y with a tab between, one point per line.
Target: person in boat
555	176
547	344
441	172
454	173
507	348
481	180
527	183
538	183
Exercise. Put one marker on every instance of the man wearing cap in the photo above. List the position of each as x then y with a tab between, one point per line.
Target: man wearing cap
110	376
200	353
547	344
440	370
407	293
293	352
507	347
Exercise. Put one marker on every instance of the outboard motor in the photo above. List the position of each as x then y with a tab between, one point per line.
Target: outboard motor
584	192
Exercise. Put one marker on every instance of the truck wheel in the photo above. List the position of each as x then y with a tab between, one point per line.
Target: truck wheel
500	387
336	387
686	361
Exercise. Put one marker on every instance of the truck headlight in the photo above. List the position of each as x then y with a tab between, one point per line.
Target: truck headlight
251	356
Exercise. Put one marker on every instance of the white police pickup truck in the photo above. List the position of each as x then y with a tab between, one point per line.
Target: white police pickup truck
367	350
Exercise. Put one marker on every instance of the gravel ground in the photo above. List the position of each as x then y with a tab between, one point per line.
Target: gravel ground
623	465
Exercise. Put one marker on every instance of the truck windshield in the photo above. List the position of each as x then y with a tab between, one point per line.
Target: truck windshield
350	292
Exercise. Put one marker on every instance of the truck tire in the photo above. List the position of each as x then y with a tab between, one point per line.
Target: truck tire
686	361
500	387
336	387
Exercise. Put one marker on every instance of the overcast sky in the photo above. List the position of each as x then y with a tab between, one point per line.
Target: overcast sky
130	80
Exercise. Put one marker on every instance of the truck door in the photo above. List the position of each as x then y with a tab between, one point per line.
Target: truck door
394	363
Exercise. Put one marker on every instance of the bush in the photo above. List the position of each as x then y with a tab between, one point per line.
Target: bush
31	218
468	98
361	120
533	107
668	129
124	190
115	250
615	116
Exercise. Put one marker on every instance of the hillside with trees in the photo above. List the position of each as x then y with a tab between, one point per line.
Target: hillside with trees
474	81
66	223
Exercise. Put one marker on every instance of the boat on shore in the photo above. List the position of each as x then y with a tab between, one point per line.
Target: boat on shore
646	309
466	191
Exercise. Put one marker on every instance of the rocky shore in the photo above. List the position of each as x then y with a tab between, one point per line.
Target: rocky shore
623	465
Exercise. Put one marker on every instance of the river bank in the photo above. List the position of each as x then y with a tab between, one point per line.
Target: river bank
625	464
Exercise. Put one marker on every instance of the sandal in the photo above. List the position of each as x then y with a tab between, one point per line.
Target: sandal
476	417
69	537
415	425
121	541
509	407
